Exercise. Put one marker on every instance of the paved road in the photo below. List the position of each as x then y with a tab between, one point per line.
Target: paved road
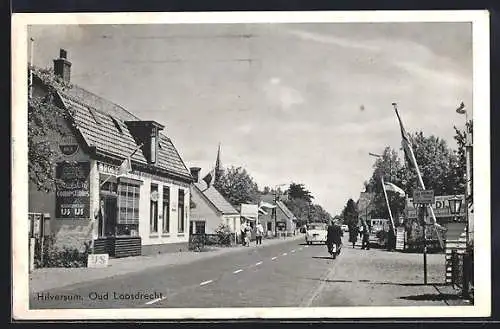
287	274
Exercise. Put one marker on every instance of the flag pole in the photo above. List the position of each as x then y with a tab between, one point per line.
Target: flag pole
388	207
126	159
420	180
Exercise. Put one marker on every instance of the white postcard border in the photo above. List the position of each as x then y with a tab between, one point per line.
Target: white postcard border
481	105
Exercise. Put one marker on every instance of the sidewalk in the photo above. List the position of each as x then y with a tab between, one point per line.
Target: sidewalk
377	277
49	278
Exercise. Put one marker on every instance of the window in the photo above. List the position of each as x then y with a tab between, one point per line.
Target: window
128	209
180	211
153	214
166	209
197	227
269	226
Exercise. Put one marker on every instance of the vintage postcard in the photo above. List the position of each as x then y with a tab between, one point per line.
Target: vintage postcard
279	165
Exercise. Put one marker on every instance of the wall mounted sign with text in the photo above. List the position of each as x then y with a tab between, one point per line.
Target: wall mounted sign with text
73	192
440	206
68	145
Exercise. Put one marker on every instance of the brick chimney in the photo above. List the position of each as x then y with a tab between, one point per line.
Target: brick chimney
62	67
195	172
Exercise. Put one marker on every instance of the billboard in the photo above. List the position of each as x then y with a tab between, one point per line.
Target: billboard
440	206
73	190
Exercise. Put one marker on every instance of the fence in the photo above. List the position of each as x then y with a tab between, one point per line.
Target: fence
462	271
39	229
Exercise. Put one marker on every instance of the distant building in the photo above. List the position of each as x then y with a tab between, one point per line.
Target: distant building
279	217
365	207
210	208
126	208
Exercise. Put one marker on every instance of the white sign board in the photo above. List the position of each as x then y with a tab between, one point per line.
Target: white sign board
97	261
250	211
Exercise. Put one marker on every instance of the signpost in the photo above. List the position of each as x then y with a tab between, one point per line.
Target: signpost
422	199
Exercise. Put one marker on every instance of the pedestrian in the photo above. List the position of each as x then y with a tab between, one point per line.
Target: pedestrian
243	233
366	238
259	232
248	232
353	235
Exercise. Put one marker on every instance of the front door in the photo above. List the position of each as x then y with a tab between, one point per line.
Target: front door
110	213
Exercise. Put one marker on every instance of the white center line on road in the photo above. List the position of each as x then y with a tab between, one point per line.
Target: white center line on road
238	271
306	246
293	250
206	282
300	248
258	263
274	258
284	254
155	300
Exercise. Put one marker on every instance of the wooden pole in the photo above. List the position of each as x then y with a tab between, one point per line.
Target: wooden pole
388	207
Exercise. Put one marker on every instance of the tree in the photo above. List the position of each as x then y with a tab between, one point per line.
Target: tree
390	168
45	119
350	213
237	186
298	191
442	170
460	165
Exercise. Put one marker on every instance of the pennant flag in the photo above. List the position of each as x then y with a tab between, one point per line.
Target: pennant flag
263	204
209	178
393	188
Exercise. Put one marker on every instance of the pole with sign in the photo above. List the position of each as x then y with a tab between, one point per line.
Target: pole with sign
422	199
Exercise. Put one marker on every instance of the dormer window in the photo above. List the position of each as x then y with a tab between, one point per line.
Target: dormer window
148	134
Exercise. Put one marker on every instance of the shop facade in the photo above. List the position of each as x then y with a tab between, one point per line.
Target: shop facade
122	187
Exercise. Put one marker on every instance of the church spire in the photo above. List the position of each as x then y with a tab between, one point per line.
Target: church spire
218	166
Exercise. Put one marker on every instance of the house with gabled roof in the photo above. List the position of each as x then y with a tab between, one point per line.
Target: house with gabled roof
123	185
277	219
210	208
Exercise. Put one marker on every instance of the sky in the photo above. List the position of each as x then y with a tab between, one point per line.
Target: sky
301	103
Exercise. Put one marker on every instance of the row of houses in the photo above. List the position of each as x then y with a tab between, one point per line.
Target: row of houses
126	188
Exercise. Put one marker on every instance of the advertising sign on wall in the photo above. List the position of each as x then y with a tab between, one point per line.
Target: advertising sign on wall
73	192
440	206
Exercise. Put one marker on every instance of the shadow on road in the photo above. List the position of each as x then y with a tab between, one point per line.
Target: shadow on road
432	297
380	283
323	257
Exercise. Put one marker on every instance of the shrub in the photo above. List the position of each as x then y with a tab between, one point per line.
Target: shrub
197	242
60	257
224	235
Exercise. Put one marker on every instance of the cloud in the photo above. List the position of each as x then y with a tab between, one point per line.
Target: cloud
329	39
439	77
281	95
